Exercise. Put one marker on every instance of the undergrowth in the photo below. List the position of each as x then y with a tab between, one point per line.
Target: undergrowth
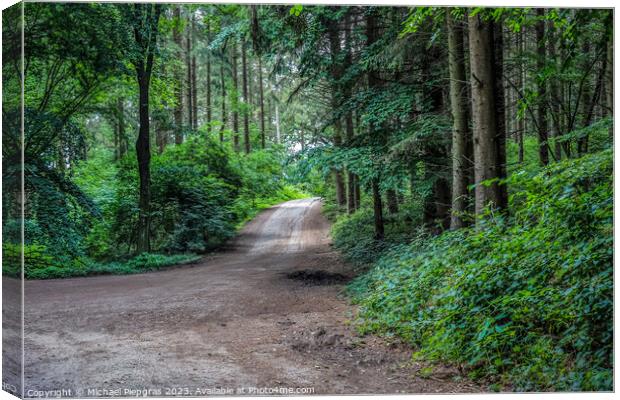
39	265
524	300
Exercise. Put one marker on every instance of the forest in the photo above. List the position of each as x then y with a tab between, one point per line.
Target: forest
463	155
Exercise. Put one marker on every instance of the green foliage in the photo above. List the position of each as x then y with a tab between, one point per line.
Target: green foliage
201	191
353	234
525	299
40	264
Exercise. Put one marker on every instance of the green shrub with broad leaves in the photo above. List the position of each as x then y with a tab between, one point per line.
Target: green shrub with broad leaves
524	299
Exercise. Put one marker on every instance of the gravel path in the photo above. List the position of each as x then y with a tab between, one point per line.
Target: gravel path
266	316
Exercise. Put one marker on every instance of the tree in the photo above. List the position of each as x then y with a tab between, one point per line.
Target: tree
543	137
235	95
483	113
373	83
208	83
336	76
461	143
144	18
178	110
247	103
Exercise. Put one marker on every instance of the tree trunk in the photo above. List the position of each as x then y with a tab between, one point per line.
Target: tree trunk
235	98
190	94
358	193
483	113
122	136
194	79
278	139
598	88
543	137
555	97
371	33
143	151
246	123
351	204
146	39
262	102
349	129
500	111
224	114
521	86
209	109
461	160
392	201
179	80
336	75
378	210
609	83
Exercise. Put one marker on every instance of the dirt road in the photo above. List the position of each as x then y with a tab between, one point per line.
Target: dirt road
268	313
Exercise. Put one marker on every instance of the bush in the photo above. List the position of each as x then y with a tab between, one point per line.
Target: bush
40	265
201	193
526	300
354	234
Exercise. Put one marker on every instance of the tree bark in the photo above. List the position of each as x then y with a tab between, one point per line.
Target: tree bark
483	113
194	78
209	104
378	210
500	111
235	97
555	96
246	122
461	159
336	75
392	201
543	137
262	102
609	83
371	33
190	94
349	129
122	136
278	139
145	34
179	80
224	114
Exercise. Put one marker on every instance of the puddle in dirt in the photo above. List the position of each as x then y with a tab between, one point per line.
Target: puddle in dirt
317	277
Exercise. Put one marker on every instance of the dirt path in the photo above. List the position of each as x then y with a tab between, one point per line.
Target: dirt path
268	313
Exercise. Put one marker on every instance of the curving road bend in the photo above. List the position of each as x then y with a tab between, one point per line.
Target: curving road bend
268	313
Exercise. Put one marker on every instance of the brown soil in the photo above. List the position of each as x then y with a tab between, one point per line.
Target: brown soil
268	313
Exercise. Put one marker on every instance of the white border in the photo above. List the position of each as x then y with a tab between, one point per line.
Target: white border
543	3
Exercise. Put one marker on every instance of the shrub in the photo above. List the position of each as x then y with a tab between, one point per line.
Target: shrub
526	300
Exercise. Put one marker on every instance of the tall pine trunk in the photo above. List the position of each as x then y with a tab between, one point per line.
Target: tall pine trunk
521	86
262	102
194	78
209	94
179	80
224	115
483	113
371	34
246	122
543	136
190	94
461	159
235	97
349	129
500	111
336	75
